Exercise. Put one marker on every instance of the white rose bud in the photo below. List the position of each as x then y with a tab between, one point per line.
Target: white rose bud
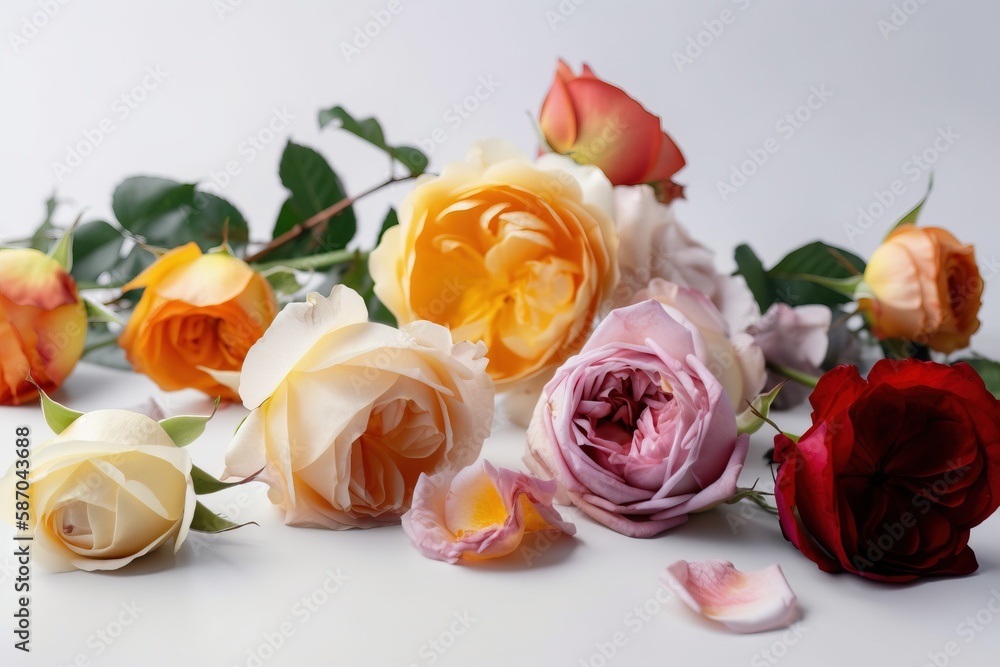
110	488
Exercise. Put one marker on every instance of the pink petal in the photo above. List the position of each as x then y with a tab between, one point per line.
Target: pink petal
479	512
743	602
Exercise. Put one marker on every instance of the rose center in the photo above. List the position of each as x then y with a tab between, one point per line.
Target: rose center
623	401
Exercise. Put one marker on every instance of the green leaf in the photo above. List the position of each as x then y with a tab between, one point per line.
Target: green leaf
97	312
370	130
207	521
283	280
795	279
185	429
42	237
168	214
755	416
750	267
846	287
313	187
391	220
57	416
988	370
97	248
911	217
205	483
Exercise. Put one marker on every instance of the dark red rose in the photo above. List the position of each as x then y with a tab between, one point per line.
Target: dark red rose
894	471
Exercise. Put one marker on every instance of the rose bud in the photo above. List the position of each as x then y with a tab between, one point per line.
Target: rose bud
43	324
111	487
597	123
894	471
925	287
198	313
346	414
635	429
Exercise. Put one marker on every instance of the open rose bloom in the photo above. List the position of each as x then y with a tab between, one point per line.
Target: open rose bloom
636	429
43	324
480	512
516	253
734	359
347	414
894	472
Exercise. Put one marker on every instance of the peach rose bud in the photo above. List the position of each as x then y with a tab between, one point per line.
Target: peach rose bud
924	287
597	123
43	324
198	314
480	512
744	602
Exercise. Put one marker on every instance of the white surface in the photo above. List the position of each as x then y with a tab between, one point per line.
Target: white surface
222	596
225	75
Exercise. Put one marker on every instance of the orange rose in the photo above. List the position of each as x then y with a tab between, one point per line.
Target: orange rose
597	123
198	312
43	324
925	287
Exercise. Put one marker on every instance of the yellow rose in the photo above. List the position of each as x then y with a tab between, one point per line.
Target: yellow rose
43	324
198	312
516	254
110	488
925	287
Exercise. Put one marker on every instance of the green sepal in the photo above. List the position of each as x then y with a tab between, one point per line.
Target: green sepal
750	420
755	496
205	483
57	416
207	521
911	217
185	429
97	312
62	252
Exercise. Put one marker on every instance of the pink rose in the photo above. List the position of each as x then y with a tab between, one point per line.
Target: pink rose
735	360
635	429
480	512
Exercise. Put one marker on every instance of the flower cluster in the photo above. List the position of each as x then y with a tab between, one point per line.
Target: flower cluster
567	284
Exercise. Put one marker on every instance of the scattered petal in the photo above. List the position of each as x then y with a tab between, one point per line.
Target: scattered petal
479	512
744	602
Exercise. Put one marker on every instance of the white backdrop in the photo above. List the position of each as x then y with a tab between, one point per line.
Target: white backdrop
178	88
897	76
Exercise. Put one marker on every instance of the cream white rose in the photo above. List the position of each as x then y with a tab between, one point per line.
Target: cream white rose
346	413
110	488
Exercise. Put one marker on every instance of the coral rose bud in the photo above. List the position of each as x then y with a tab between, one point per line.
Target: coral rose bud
925	287
43	324
597	123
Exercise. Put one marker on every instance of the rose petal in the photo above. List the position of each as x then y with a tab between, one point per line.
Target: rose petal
744	602
479	513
